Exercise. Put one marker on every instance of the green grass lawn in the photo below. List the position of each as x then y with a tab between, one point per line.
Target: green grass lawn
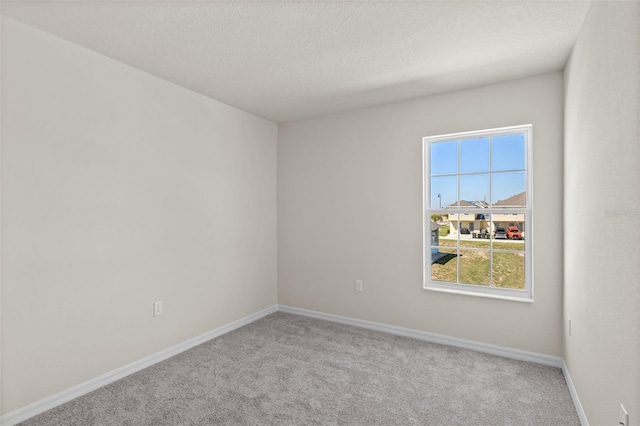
484	244
475	265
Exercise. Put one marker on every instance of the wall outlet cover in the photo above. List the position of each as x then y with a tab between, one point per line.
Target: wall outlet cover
157	309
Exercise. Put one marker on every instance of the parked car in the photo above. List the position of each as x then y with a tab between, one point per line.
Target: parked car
513	233
500	233
465	231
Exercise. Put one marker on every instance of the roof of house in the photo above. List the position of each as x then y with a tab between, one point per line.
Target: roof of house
434	226
465	203
519	200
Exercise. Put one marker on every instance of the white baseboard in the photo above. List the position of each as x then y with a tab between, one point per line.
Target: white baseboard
574	395
67	395
502	351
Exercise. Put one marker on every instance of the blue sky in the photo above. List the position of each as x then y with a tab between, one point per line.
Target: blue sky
490	170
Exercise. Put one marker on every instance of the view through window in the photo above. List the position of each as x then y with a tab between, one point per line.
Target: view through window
477	212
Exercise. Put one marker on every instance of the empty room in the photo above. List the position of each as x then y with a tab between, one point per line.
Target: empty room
320	213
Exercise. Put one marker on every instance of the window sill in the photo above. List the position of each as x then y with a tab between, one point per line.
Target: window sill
524	298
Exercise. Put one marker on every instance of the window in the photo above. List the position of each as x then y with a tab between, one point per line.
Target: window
478	184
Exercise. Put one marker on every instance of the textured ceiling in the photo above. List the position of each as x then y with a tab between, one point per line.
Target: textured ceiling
286	60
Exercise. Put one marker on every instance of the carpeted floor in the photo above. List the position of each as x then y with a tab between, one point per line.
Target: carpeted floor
291	370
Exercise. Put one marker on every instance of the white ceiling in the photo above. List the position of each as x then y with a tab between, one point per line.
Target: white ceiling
286	60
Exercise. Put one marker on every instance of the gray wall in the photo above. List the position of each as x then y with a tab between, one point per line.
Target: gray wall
350	207
602	181
120	189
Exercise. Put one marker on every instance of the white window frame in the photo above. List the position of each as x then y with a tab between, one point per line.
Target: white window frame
520	295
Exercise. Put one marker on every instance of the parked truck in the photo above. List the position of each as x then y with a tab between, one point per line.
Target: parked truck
513	233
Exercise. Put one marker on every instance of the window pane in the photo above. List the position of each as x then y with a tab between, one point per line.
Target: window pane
473	229
449	233
508	270
467	224
444	257
508	189
444	192
513	236
444	157
482	230
445	229
508	234
474	155
474	267
474	190
508	152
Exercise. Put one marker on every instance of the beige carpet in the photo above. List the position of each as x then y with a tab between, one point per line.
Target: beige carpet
291	370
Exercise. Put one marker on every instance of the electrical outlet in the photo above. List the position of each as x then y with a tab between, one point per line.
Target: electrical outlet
157	309
624	416
359	285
